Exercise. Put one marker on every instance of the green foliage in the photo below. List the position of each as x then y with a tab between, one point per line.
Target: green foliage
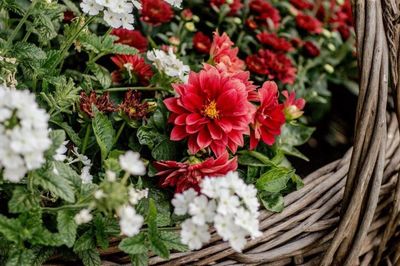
104	132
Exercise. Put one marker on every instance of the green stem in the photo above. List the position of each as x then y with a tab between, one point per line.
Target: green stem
121	128
30	182
65	207
132	88
125	178
86	139
20	24
27	35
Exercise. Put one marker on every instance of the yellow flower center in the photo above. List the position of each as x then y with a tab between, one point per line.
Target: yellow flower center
211	111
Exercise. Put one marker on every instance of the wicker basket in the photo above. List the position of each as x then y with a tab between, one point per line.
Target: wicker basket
348	211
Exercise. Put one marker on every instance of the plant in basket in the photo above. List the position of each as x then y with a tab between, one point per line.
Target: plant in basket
154	124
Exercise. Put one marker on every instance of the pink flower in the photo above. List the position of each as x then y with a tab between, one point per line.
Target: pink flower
212	111
293	107
224	55
183	176
269	117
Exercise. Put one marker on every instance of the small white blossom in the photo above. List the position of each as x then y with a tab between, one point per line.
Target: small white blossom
23	133
131	163
202	210
181	201
111	176
60	152
91	7
227	203
225	226
99	194
83	217
194	235
175	3
238	240
113	19
130	222
135	195
169	63
86	177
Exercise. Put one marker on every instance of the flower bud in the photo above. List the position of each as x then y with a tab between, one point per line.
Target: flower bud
190	26
328	68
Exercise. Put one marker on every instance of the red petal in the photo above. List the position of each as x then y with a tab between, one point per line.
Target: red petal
203	139
178	133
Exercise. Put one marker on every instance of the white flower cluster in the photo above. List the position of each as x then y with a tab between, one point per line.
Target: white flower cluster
169	64
228	203
130	222
83	217
117	13
86	177
24	134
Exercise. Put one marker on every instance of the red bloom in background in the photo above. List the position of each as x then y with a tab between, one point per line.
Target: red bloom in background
133	68
68	16
183	176
301	4
272	41
274	65
132	38
293	108
187	14
132	106
269	117
211	110
201	43
343	19
156	12
102	103
264	12
235	6
224	55
310	49
308	23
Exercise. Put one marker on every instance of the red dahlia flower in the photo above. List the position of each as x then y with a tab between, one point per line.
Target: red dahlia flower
274	65
132	68
234	6
132	38
269	117
183	176
224	55
293	108
308	23
272	41
301	4
201	43
264	12
156	12
102	103
311	49
211	110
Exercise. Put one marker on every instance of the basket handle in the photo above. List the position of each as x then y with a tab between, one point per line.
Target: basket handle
372	19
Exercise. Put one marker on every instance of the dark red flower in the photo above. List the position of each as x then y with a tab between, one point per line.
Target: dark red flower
308	23
235	6
310	49
272	41
211	110
132	68
275	65
132	107
68	16
201	43
132	38
269	117
301	4
296	42
342	20
264	13
156	12
102	103
183	176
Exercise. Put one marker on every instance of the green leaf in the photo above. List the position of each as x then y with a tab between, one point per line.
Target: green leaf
22	200
156	244
104	132
295	134
85	242
134	245
66	227
140	259
70	132
100	231
118	48
20	257
28	51
55	182
173	241
13	6
165	150
247	159
147	136
102	75
292	151
90	257
274	180
11	229
66	172
273	201
298	181
42	254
